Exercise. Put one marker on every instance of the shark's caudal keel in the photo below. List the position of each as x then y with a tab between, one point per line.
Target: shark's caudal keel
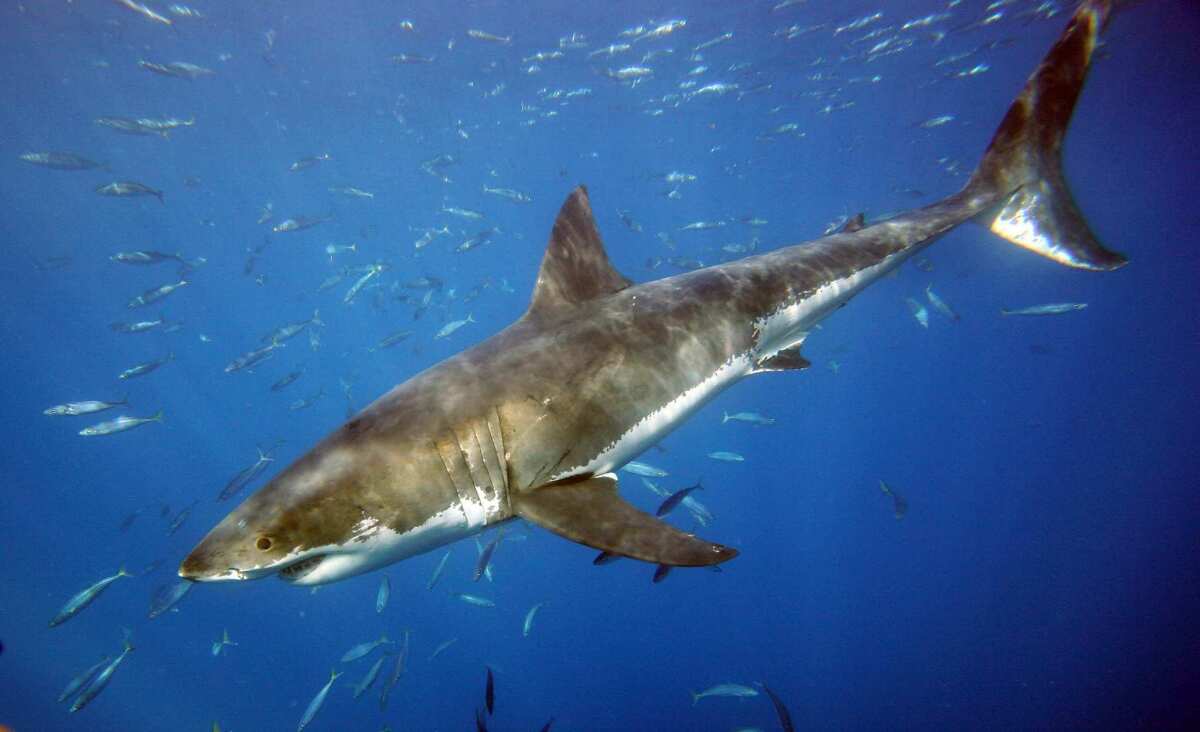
532	422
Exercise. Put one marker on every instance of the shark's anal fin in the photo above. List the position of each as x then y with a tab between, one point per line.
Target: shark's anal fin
575	268
591	512
789	359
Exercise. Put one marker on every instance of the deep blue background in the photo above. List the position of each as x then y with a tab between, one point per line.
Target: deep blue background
1045	576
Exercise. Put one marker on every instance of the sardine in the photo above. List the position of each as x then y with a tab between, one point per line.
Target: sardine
529	616
286	380
140	326
155	294
397	671
250	358
372	272
382	595
308	401
750	417
698	510
120	424
508	193
490	37
918	311
644	469
464	213
101	681
899	503
702	225
369	680
729	690
152	257
168	596
489	692
363	649
77	408
144	368
391	340
485	556
148	14
291	330
219	645
60	160
441	647
129	189
305	163
85	597
937	121
245	476
939	304
178	519
314	706
1057	308
299	223
352	192
475	600
630	72
74	685
411	59
453	325
437	571
726	456
178	69
675	499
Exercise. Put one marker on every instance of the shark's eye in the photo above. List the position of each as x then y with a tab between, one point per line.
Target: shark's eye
263	543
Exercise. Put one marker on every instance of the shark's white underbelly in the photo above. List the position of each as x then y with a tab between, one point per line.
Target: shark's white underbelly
658	423
787	327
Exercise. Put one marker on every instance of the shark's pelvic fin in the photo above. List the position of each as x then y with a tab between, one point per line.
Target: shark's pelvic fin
789	359
1023	163
591	512
575	268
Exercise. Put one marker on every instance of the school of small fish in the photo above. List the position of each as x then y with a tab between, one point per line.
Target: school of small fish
653	68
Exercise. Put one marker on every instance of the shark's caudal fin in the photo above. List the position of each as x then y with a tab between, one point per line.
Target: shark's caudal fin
1023	163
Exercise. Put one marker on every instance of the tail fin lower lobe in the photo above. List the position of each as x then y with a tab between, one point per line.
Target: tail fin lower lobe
1023	164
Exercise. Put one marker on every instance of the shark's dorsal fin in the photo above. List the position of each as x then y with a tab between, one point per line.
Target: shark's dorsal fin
575	268
591	512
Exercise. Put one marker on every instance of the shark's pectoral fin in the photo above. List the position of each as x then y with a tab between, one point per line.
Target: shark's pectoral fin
591	512
789	359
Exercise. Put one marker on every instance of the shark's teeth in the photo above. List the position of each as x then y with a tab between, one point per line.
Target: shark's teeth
293	572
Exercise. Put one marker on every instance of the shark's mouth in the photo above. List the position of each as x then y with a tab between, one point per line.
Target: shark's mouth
301	569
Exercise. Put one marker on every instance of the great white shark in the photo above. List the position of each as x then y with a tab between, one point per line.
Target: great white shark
533	422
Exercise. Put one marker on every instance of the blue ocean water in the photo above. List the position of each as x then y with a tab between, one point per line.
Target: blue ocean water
1044	575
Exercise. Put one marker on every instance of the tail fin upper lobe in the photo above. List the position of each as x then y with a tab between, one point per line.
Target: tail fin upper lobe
1023	163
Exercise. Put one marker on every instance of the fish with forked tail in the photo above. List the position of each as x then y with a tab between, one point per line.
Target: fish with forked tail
60	161
535	421
129	189
1056	308
120	424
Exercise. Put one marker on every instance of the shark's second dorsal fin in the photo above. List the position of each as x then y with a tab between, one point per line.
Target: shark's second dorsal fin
575	268
858	222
